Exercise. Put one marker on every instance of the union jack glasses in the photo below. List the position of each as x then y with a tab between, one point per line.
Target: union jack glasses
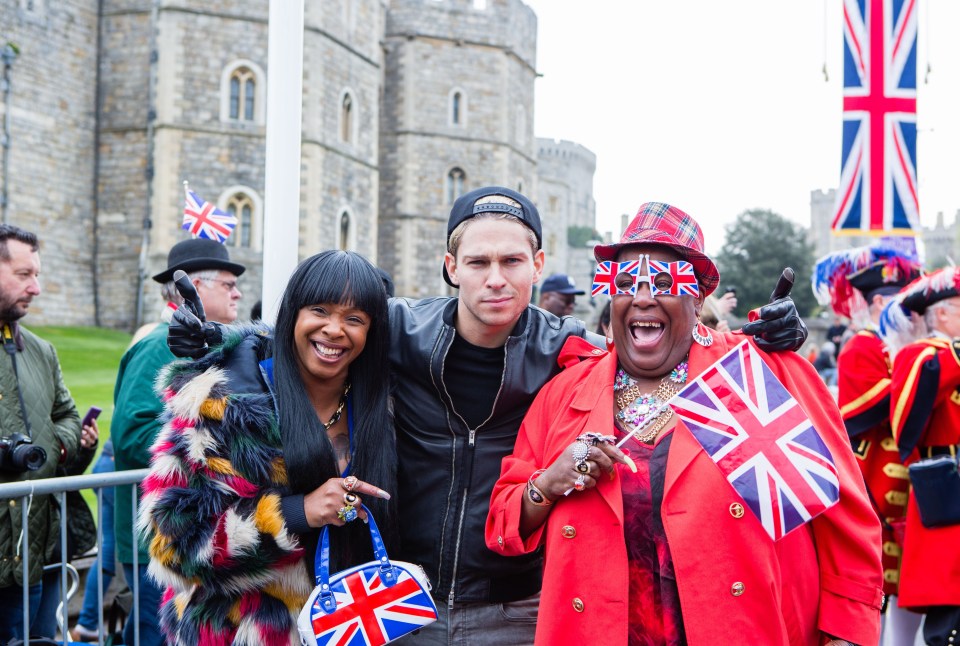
665	278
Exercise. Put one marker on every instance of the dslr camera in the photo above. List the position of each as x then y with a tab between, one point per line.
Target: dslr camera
18	454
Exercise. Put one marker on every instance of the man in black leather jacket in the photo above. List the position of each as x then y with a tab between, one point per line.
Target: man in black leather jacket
464	372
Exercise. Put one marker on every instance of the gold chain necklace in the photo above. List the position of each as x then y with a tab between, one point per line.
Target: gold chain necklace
339	411
644	415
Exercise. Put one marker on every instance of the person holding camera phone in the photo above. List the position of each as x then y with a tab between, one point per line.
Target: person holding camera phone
39	430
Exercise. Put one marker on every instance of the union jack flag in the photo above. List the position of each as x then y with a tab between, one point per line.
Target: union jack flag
204	220
684	280
878	176
605	279
761	440
369	613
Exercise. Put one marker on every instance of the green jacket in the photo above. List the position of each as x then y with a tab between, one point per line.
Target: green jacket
55	426
134	427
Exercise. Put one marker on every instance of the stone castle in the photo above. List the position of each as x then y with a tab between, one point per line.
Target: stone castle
109	105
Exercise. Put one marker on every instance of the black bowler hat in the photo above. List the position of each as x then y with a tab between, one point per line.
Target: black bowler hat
493	199
198	254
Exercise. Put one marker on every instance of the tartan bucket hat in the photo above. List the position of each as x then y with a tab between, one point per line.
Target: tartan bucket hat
659	223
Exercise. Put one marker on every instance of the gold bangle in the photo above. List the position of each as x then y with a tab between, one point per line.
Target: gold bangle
534	494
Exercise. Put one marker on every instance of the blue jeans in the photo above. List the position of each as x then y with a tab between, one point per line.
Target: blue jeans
481	623
11	610
150	597
89	613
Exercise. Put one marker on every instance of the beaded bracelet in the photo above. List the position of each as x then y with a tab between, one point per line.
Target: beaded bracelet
534	495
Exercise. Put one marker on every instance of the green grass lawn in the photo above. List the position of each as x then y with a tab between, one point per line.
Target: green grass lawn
89	358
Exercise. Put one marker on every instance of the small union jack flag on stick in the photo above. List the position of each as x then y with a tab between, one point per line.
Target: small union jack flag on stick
684	281
605	279
761	440
204	220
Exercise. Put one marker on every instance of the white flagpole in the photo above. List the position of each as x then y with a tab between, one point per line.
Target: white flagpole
281	218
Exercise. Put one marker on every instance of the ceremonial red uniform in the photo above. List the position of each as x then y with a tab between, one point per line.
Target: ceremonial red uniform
864	400
925	412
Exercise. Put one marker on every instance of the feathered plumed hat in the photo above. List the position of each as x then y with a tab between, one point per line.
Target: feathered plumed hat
896	324
848	280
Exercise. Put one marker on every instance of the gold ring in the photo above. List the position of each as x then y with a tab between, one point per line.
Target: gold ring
350	498
349	483
583	467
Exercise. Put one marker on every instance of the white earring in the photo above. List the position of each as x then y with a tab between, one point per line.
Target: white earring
701	334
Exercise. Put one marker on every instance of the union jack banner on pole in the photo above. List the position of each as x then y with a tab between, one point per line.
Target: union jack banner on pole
878	176
762	441
204	220
684	281
605	278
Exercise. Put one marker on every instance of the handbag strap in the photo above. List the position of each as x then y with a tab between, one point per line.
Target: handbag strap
388	573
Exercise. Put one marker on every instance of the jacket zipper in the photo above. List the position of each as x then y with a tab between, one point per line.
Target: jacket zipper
456	551
471	443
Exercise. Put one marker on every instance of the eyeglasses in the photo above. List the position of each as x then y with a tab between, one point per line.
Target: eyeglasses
229	285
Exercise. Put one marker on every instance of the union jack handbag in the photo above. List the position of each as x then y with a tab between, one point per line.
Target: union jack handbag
367	605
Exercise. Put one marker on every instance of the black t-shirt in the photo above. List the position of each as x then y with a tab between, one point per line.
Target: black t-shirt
473	376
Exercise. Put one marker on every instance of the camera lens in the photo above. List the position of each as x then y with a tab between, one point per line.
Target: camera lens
28	457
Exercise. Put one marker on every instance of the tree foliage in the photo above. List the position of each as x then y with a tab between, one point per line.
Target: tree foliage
579	236
758	245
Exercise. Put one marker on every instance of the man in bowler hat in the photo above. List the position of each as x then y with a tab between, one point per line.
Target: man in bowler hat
136	405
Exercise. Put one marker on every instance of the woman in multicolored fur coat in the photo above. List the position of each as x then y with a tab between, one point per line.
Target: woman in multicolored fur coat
267	439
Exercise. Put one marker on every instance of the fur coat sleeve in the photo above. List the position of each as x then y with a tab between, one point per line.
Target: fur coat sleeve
212	498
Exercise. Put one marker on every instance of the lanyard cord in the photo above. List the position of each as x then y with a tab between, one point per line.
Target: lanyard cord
11	347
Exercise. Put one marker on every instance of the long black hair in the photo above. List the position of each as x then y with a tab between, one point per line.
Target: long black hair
342	277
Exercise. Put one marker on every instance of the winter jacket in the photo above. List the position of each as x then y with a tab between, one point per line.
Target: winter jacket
234	562
54	426
447	470
736	585
135	426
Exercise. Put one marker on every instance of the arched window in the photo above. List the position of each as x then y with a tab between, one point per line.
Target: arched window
346	118
243	90
240	206
344	231
458	107
242	95
456	178
455	108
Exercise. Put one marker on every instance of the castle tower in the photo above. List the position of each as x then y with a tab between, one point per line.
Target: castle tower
567	209
171	115
457	114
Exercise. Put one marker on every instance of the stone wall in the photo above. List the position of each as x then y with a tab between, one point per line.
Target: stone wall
50	172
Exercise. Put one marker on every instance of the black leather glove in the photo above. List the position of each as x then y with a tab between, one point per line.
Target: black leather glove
779	327
190	335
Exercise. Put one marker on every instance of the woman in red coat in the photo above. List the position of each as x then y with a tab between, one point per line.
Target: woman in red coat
656	547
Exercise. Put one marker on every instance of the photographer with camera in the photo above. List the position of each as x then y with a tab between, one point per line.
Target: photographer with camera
39	430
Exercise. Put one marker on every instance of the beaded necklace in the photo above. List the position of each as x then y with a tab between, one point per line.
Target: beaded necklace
639	410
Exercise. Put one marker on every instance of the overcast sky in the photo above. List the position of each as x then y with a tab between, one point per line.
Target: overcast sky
719	107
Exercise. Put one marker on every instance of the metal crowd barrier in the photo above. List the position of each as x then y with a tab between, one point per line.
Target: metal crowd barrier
25	489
